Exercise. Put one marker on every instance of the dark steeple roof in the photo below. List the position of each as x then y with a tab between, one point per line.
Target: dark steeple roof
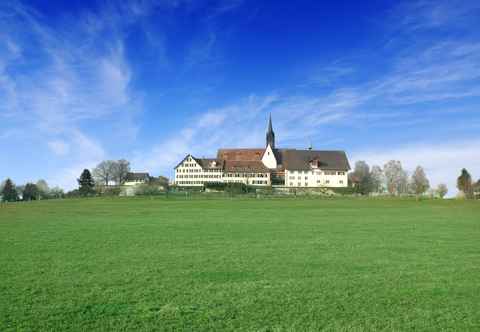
270	134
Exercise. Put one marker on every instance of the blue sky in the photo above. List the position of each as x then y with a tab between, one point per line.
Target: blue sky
149	81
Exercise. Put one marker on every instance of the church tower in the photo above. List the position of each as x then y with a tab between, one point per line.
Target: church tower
270	134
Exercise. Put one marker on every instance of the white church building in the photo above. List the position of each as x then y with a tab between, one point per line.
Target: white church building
266	166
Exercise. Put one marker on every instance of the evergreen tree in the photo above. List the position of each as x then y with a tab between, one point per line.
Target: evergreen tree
30	192
464	183
86	183
9	193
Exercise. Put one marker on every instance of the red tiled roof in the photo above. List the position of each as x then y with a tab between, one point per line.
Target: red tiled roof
240	154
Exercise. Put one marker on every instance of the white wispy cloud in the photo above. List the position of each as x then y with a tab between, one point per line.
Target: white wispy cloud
431	14
436	70
67	84
81	75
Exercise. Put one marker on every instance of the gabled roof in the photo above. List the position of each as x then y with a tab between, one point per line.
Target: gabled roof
181	162
240	154
137	176
300	159
206	163
232	166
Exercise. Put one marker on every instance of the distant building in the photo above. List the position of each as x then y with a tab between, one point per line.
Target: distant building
133	179
266	166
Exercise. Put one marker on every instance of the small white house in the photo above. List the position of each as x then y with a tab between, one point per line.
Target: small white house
133	179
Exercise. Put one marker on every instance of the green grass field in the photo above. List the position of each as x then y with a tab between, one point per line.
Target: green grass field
266	265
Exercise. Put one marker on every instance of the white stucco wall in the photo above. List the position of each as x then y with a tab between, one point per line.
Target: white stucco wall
133	183
190	174
254	179
316	178
269	159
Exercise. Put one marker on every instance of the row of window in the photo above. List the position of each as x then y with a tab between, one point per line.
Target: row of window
208	176
245	175
259	182
190	182
318	172
299	184
197	170
189	170
298	178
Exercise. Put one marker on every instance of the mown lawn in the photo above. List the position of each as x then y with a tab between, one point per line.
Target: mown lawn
267	265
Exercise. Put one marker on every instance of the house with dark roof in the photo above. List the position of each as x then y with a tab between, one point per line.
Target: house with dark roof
266	166
133	179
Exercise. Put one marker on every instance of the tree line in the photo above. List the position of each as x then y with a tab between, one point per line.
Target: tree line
107	176
9	192
103	179
394	180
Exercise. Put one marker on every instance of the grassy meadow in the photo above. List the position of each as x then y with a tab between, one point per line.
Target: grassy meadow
244	264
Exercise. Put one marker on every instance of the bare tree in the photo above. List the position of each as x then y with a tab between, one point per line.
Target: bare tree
419	182
442	190
104	171
377	179
120	170
395	177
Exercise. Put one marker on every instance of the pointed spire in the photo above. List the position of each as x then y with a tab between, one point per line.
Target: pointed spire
270	129
270	134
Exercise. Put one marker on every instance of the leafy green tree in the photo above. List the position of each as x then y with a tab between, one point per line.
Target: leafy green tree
86	185
9	193
30	192
464	183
